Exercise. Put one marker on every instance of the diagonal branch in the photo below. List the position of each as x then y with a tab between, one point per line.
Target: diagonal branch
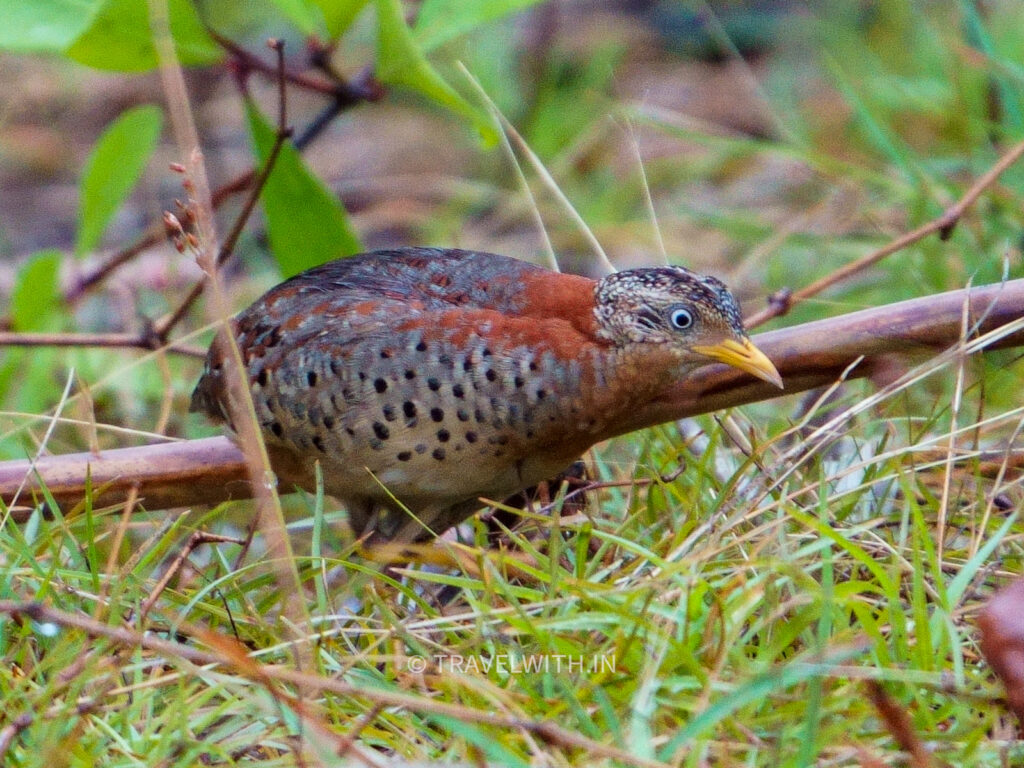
783	301
808	356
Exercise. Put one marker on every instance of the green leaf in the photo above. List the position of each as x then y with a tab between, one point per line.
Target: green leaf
969	570
439	21
43	26
400	62
36	295
302	14
306	224
113	169
339	14
120	38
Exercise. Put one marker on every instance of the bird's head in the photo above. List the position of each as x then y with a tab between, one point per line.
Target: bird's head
693	316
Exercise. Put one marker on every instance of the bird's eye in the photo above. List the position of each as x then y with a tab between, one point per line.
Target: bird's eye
681	318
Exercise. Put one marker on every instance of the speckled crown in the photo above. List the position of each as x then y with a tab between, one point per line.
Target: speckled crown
631	289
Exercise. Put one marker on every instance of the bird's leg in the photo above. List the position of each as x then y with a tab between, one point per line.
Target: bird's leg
499	519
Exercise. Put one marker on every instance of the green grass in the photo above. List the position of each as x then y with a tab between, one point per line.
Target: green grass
730	617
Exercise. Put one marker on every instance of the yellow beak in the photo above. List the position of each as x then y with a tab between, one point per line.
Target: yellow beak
745	356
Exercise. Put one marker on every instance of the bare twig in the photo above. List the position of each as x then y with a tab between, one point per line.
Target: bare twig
344	96
152	237
781	302
111	340
196	540
364	89
164	326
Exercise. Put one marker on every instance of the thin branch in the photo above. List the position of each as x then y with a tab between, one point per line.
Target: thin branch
340	89
345	95
780	303
163	327
260	180
197	539
152	237
111	340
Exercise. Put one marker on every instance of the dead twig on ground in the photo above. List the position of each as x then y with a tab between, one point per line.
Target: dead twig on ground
227	654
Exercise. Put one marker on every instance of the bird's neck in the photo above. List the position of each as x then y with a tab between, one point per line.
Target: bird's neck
624	379
639	372
567	298
613	381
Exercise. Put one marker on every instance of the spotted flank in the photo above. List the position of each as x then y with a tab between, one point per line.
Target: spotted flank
444	376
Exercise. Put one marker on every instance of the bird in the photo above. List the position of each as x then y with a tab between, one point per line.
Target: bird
424	379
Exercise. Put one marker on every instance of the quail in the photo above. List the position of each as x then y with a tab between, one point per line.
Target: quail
422	379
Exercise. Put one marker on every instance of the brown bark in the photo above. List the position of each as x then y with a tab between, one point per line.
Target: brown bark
809	355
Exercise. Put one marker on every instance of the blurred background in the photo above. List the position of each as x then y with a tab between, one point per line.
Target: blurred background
777	140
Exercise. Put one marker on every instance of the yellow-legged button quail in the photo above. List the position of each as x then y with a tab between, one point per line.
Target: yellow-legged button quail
438	376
